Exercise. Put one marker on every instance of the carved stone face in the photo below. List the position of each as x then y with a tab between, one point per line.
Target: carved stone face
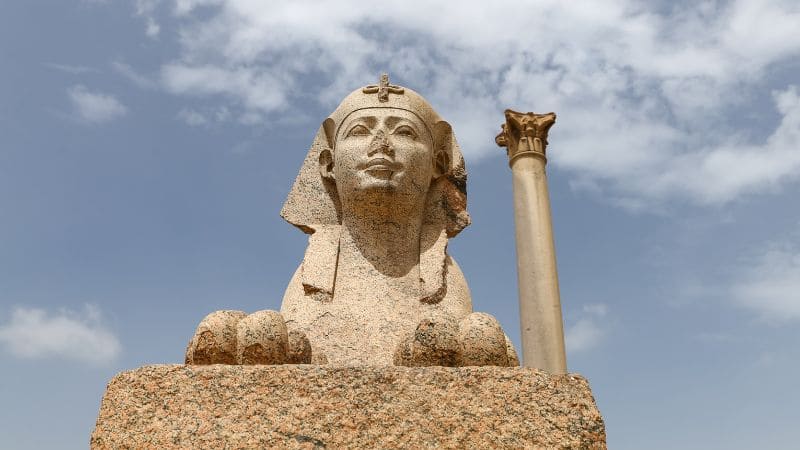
383	150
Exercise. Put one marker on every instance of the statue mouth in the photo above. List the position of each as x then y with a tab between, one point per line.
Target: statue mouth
381	166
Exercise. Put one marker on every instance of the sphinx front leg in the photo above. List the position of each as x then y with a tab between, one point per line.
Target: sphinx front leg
483	342
214	341
233	337
441	340
434	342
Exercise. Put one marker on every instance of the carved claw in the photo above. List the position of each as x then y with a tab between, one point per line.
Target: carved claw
482	340
433	343
233	337
214	342
439	340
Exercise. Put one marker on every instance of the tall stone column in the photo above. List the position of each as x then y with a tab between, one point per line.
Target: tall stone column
525	137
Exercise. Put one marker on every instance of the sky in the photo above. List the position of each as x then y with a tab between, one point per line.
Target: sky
146	148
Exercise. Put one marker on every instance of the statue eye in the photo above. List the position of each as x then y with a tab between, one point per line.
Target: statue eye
405	130
358	130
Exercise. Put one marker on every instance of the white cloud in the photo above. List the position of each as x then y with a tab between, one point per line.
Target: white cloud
146	9
583	335
588	331
142	81
185	6
95	107
152	29
735	167
264	91
650	104
596	309
71	69
770	285
192	117
206	116
34	333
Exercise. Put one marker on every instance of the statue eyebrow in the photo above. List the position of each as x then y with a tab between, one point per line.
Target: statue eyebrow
369	121
392	121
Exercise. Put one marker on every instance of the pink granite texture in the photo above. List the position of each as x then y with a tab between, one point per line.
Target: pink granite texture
305	406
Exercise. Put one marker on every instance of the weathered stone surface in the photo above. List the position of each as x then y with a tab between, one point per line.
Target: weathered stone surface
433	343
299	349
288	406
214	341
513	359
440	340
261	338
482	341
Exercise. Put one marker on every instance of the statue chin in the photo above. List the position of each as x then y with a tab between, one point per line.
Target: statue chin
383	181
376	182
380	174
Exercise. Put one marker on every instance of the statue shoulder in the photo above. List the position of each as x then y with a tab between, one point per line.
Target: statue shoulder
458	299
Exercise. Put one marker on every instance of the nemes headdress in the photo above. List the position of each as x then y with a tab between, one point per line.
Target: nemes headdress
313	203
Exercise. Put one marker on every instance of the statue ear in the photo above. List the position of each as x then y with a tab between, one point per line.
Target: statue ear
326	164
330	130
326	155
442	148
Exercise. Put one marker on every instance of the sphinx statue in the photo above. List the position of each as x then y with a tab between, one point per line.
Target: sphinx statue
380	192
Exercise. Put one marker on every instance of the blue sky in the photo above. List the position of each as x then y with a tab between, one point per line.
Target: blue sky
146	148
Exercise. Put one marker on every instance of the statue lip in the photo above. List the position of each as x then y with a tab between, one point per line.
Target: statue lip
381	164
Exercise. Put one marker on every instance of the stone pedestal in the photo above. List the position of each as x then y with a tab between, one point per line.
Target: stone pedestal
304	406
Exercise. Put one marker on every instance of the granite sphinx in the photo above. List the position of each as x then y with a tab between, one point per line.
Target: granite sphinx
381	190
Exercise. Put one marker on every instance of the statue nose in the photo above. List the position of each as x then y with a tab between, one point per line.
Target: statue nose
381	144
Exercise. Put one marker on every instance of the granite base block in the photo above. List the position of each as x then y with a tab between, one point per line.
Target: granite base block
307	406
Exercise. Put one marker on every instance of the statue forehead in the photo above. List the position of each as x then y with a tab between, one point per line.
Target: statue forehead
382	113
384	96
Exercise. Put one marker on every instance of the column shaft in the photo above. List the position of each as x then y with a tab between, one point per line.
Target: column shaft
540	305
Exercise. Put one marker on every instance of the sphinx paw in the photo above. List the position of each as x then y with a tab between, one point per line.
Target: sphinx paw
262	338
214	341
299	349
511	353
483	342
434	342
441	340
233	337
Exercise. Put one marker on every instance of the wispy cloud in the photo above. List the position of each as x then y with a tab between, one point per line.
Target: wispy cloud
128	72
265	92
34	333
74	70
650	103
183	7
192	117
207	116
95	107
152	29
734	166
146	9
770	285
588	331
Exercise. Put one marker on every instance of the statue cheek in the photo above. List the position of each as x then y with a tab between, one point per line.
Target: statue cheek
415	152
345	159
424	158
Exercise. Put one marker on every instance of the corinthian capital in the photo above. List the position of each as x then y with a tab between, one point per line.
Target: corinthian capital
525	133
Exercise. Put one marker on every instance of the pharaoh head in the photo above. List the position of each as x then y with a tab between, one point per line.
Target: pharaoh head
384	151
381	140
